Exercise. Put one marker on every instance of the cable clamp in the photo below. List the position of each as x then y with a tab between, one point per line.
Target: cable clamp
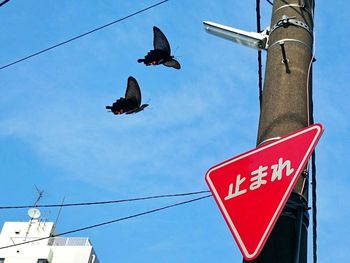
290	21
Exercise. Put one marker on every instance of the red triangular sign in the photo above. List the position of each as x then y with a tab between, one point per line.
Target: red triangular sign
252	189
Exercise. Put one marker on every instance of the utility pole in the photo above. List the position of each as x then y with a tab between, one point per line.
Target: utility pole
285	108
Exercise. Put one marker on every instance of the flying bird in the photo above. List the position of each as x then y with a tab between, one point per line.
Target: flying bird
161	54
132	101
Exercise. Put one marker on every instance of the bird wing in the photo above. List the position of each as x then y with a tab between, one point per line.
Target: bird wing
160	41
133	91
172	63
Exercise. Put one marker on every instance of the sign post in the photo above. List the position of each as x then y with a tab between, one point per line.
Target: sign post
252	189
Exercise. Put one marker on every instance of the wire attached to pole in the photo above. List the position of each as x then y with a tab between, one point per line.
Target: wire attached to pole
109	222
310	109
314	208
313	156
258	29
107	202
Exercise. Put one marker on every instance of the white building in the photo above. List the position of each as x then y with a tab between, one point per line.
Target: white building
48	250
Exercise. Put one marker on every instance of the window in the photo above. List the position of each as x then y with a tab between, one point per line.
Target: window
42	260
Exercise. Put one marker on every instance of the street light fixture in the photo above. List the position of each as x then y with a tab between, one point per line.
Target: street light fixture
249	39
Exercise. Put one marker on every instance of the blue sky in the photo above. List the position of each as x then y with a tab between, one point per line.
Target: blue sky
55	132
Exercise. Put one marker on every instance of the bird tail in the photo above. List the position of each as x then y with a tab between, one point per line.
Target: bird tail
140	60
108	107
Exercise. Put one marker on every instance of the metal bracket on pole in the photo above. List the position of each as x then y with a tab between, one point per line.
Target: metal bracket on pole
249	39
285	40
290	21
269	140
302	5
305	175
285	60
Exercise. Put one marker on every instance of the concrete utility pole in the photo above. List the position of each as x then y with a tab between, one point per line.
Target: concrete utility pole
286	108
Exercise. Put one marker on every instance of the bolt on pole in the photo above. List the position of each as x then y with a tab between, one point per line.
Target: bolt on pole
285	108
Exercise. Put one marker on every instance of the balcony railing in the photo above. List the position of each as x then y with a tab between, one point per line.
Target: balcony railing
69	241
53	241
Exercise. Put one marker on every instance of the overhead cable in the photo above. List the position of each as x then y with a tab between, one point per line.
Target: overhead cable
314	208
82	35
258	30
313	182
109	222
4	2
311	120
107	202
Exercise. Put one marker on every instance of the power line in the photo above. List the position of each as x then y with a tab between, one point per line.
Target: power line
314	208
107	202
271	3
258	29
4	2
82	35
111	221
309	90
313	156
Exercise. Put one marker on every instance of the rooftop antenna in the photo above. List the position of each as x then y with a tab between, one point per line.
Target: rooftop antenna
33	212
40	195
43	218
58	216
